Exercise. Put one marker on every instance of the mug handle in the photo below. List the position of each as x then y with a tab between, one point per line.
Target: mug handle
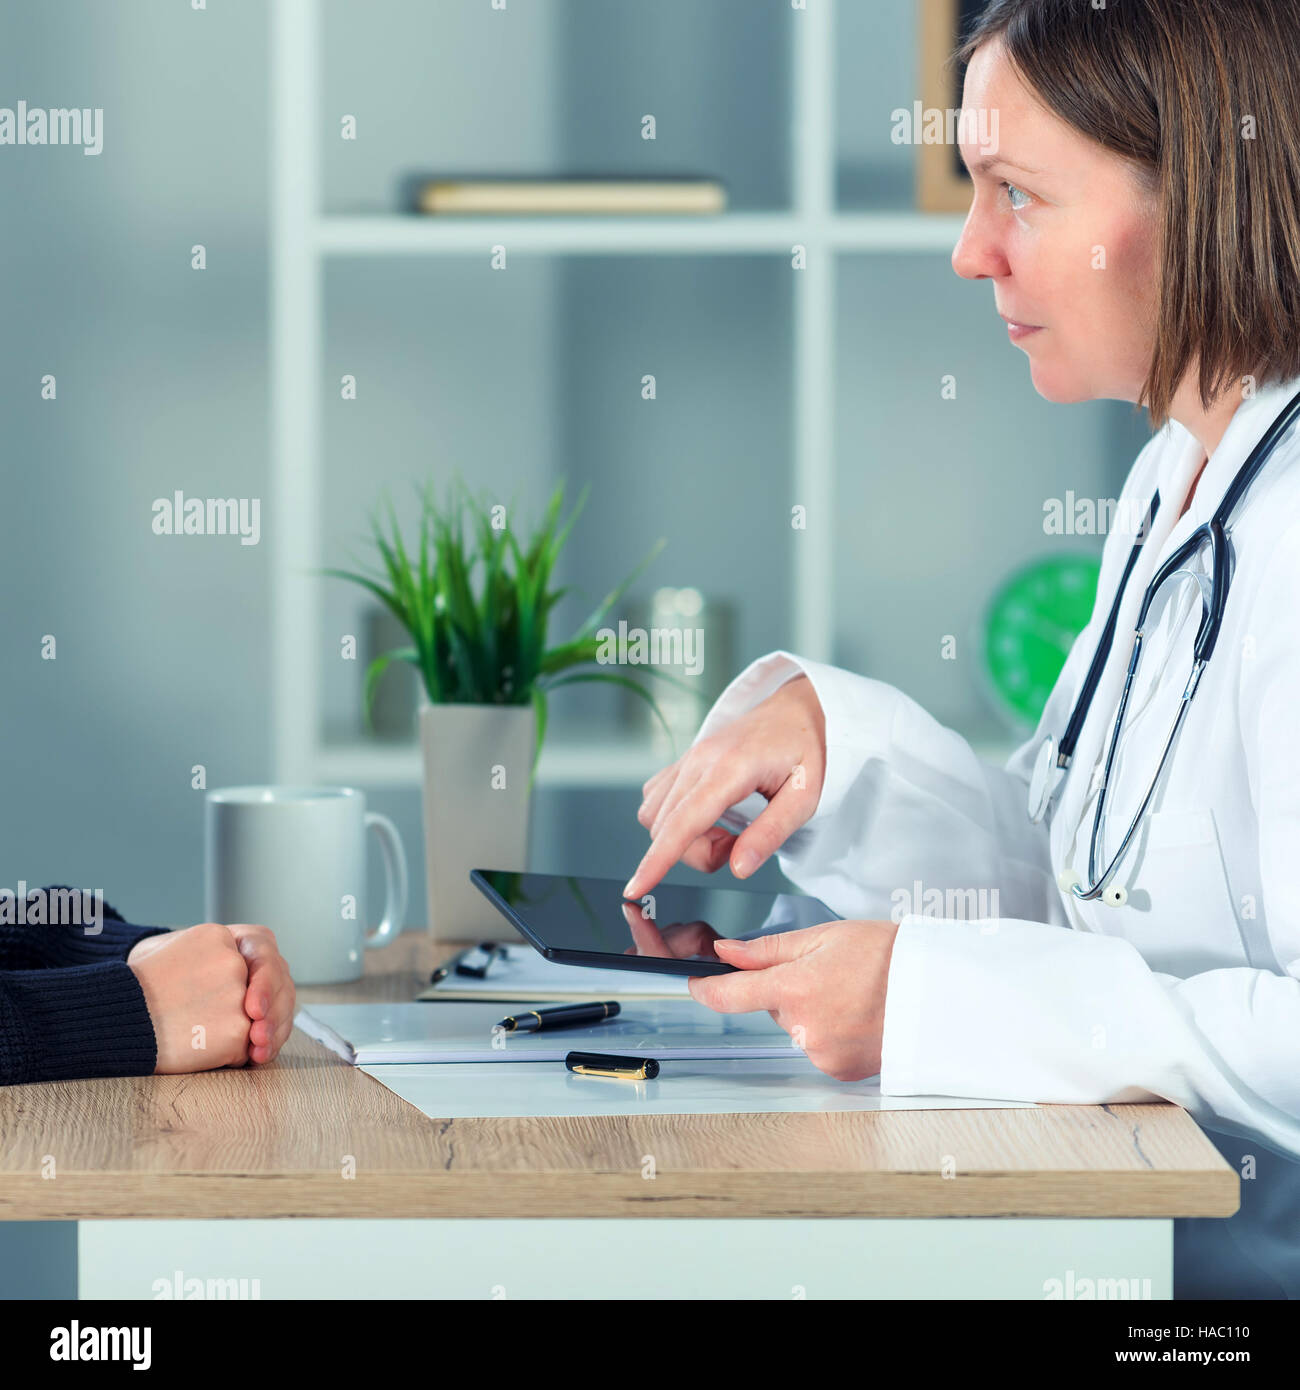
390	842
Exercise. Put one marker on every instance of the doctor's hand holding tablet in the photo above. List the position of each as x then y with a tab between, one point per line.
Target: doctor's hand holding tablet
1140	847
825	985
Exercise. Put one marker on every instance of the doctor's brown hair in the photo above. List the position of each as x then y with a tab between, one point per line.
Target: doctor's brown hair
1204	97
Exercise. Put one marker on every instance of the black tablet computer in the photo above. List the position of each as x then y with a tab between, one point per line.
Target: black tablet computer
587	921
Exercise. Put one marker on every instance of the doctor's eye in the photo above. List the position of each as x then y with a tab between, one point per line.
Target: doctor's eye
1013	193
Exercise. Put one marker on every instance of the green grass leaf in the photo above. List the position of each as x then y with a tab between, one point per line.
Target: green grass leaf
476	599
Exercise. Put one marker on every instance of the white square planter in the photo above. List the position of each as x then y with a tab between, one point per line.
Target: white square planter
476	810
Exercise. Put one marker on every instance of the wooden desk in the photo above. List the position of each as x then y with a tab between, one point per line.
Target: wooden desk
276	1141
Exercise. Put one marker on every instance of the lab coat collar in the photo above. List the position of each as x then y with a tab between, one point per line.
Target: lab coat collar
1179	462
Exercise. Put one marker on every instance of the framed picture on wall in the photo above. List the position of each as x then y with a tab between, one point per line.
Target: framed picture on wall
942	184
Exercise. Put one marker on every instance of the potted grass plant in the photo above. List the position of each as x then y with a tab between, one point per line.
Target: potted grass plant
476	601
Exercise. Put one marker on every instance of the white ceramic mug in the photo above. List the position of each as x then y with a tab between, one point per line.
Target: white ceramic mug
294	859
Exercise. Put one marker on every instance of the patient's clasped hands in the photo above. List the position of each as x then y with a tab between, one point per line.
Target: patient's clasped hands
218	996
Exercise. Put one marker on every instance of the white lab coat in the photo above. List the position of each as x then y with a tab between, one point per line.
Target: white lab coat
1191	990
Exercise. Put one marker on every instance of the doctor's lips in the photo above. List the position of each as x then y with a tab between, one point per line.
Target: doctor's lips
1019	330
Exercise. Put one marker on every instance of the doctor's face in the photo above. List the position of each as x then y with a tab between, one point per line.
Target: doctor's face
1066	231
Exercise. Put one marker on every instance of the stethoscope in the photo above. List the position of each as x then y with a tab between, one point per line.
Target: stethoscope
1053	761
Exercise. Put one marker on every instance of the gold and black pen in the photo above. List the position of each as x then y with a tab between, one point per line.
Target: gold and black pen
606	1064
562	1016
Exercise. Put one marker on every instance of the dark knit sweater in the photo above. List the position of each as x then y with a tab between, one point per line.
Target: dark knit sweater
70	1005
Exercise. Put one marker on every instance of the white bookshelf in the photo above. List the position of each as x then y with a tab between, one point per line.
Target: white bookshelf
303	242
891	233
609	761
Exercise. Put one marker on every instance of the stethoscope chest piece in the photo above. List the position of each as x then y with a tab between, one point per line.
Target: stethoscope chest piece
1044	780
1113	895
1043	785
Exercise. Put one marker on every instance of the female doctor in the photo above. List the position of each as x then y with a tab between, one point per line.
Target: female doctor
1164	133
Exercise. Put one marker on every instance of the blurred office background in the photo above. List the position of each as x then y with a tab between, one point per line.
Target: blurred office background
164	656
164	645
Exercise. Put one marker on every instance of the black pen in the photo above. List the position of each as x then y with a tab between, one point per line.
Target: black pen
492	949
479	972
563	1016
604	1064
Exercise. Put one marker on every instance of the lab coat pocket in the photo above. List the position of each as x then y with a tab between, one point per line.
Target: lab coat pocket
1180	913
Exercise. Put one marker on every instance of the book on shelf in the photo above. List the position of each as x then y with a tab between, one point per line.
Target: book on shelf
538	197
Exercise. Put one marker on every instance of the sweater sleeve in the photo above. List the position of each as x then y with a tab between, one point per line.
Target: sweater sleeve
82	1020
57	926
70	1005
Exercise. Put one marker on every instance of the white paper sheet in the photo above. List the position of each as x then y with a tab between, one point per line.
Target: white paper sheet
527	974
483	1090
442	1032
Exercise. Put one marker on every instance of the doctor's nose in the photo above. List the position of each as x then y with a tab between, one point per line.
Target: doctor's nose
977	255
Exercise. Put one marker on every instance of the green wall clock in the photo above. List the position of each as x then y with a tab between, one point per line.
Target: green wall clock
1029	628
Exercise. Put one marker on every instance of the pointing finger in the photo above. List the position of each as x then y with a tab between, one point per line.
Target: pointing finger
690	817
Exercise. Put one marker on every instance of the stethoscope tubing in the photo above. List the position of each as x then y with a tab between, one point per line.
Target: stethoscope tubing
1216	532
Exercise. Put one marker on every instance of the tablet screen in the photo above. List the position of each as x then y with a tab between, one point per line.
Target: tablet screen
674	922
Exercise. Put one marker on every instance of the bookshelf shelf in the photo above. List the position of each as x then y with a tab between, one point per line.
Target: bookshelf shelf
569	759
888	233
307	243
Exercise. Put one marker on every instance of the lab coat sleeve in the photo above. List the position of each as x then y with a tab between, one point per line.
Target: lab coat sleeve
909	814
907	809
1018	1010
